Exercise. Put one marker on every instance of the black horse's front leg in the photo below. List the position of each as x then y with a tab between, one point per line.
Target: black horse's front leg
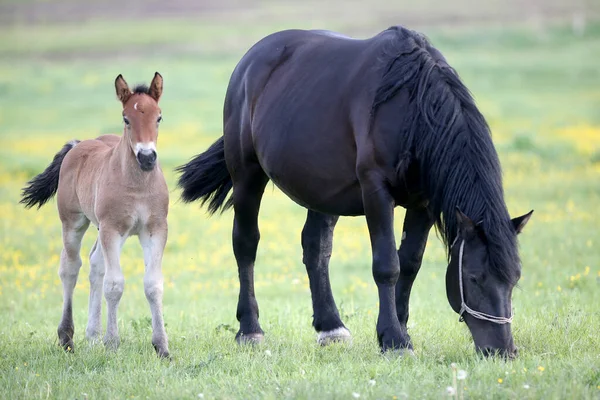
317	239
379	212
417	224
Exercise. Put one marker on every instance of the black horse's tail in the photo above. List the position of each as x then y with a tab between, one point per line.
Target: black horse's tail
206	178
44	186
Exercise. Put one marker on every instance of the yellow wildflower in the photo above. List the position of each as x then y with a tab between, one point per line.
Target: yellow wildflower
541	369
500	380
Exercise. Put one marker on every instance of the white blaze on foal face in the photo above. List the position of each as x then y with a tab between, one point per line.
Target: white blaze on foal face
142	117
144	148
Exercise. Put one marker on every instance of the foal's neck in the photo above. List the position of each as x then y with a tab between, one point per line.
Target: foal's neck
124	160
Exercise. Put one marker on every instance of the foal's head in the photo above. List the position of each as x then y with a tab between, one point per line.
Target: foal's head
141	115
480	280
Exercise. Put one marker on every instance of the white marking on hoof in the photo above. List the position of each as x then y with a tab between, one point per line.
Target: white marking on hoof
340	334
251	338
400	353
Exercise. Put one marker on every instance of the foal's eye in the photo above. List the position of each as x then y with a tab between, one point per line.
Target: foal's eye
125	120
159	119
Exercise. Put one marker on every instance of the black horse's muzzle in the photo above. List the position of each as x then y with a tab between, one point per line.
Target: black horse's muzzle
510	354
146	159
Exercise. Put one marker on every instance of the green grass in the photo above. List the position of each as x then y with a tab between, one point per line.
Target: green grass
541	95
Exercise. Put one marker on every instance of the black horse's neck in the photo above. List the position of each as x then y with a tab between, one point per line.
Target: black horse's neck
452	142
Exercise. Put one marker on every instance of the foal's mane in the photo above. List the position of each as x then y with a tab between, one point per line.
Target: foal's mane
141	88
451	141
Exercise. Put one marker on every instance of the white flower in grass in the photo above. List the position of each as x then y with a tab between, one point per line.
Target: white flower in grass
461	375
525	386
268	353
450	391
453	365
200	395
355	395
372	382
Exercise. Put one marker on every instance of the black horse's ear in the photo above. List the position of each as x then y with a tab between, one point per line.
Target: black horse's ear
466	226
520	222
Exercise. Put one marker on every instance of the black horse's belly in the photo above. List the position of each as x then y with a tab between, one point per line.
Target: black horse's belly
310	173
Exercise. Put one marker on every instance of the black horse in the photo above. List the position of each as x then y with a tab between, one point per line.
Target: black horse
357	127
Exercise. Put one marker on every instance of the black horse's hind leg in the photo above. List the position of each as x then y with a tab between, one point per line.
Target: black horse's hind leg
417	224
379	212
317	238
247	194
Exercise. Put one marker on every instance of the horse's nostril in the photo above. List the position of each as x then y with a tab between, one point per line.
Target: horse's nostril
147	159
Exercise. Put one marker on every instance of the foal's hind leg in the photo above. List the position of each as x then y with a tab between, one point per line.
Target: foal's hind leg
317	238
247	194
74	228
417	224
94	326
114	282
153	239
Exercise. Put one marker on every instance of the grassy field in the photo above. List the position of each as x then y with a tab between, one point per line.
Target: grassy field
539	90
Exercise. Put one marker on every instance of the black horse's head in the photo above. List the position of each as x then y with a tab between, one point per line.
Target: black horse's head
476	290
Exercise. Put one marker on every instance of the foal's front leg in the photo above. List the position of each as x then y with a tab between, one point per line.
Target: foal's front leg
153	240
317	238
417	224
379	212
111	242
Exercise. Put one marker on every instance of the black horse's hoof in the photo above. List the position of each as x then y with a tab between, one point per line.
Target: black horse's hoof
249	338
340	334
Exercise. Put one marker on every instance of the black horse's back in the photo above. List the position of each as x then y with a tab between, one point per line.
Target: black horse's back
280	82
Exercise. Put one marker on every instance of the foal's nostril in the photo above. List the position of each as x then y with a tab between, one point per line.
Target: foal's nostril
146	159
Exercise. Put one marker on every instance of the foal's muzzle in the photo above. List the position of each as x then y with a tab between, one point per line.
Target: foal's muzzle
146	159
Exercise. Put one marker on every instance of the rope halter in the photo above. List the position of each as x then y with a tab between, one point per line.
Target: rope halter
465	308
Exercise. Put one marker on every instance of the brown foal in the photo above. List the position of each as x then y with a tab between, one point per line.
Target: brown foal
116	183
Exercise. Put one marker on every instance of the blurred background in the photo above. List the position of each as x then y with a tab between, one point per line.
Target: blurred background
533	67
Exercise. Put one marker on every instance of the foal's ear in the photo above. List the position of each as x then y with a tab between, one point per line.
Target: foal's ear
520	222
156	87
123	92
466	226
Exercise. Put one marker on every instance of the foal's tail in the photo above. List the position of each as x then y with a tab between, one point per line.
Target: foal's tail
41	188
206	178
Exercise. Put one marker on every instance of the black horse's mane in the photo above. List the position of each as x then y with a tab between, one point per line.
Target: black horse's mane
452	143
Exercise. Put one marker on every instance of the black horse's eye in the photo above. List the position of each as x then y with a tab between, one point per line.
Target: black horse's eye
125	120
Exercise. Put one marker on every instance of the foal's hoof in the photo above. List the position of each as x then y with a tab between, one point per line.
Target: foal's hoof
67	345
65	338
111	343
249	338
162	351
340	334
